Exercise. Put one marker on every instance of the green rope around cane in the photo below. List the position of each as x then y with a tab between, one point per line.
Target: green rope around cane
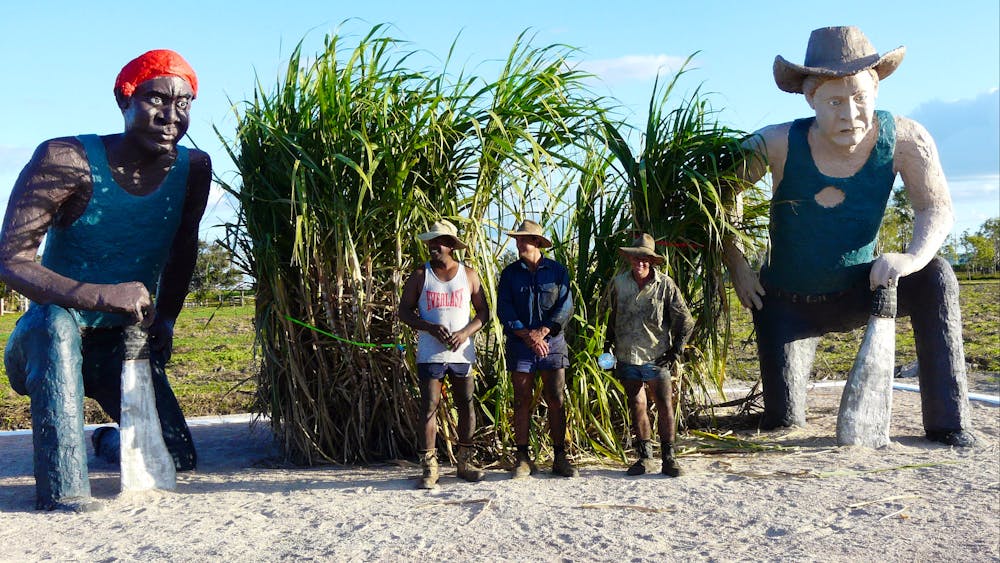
396	345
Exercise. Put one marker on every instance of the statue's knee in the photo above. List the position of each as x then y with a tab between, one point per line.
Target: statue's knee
937	272
44	348
43	325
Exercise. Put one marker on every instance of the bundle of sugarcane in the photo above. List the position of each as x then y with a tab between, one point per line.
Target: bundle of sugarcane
341	166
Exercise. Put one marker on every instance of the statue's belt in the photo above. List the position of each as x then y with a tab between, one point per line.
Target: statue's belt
807	298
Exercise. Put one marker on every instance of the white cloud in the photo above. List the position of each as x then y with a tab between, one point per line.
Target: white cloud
967	133
976	188
632	67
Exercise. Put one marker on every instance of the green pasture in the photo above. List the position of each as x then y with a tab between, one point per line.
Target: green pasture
213	367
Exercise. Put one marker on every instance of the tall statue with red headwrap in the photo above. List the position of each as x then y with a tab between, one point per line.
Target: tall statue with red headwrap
119	214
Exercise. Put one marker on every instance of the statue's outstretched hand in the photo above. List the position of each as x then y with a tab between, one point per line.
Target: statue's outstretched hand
889	267
745	280
747	284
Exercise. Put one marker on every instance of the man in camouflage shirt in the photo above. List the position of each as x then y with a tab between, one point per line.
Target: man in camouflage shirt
649	326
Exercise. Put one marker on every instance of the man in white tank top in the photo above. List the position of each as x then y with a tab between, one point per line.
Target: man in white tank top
436	302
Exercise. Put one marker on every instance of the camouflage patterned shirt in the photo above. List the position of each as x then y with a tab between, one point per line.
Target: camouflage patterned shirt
649	322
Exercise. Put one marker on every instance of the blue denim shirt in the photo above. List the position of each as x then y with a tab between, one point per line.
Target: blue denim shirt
527	299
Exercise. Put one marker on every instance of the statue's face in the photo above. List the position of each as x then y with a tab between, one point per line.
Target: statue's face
156	115
845	108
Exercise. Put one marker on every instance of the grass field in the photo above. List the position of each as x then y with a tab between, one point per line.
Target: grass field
212	369
980	302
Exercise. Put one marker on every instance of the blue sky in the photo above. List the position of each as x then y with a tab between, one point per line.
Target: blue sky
59	60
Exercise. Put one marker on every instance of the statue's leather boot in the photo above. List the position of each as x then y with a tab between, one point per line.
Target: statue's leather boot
523	466
645	463
429	463
466	469
957	438
107	444
72	504
670	467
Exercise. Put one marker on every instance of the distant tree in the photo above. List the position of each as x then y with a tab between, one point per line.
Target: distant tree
214	270
982	248
507	258
897	225
951	250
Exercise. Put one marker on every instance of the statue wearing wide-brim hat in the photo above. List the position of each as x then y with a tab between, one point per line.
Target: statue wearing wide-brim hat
832	175
836	52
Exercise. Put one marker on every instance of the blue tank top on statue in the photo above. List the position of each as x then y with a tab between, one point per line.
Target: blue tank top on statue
120	237
816	249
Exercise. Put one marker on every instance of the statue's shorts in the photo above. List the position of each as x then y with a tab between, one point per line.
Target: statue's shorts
50	358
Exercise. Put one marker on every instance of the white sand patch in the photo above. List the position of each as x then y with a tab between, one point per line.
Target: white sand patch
914	500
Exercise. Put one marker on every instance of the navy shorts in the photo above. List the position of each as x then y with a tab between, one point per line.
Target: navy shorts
439	370
645	372
521	358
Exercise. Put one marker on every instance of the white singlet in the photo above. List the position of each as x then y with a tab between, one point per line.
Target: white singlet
445	303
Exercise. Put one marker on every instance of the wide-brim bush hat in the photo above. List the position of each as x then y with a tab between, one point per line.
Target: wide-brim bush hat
642	247
443	228
530	228
836	52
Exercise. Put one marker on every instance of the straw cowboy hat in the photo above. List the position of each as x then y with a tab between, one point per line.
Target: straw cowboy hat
443	228
530	228
642	247
835	52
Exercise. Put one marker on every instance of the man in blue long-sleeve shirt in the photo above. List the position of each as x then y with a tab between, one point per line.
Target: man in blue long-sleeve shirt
534	305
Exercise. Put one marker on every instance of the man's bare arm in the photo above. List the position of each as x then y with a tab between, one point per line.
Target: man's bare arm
176	275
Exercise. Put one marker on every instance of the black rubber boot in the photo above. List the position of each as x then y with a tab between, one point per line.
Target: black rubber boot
107	444
670	467
561	465
957	438
645	462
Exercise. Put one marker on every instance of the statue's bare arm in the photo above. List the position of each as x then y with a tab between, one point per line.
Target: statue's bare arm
53	182
916	160
770	144
177	272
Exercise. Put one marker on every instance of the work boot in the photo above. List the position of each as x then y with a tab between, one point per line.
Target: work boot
72	504
466	469
957	438
561	465
645	463
670	467
523	466
107	444
429	463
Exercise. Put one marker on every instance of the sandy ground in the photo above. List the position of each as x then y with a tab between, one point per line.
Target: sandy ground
912	501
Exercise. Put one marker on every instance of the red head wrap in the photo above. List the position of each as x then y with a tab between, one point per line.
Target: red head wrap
151	64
